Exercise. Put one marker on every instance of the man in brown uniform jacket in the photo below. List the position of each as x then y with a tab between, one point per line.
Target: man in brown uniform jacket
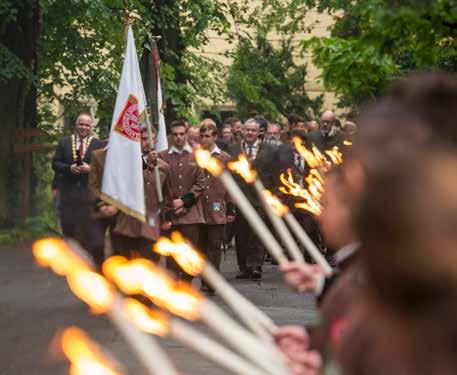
187	182
218	209
129	236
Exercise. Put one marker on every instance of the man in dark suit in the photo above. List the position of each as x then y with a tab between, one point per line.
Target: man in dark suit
71	164
329	135
250	251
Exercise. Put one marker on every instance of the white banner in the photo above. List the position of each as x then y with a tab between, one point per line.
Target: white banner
123	174
162	141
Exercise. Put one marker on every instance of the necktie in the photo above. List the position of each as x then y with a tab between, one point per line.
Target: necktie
249	153
297	161
81	148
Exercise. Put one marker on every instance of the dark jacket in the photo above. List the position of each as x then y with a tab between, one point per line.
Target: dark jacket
71	186
325	142
266	165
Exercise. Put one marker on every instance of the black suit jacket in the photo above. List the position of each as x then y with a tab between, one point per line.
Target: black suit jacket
71	186
223	145
266	165
286	157
324	142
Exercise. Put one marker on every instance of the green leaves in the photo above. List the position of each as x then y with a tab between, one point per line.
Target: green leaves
376	41
265	79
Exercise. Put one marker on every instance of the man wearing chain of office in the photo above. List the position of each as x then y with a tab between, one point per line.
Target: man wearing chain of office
71	164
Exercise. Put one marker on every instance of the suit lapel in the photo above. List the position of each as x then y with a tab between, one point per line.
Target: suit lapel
260	150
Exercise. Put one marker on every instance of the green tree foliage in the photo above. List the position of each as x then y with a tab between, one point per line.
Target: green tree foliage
70	52
266	80
80	51
375	41
82	43
268	72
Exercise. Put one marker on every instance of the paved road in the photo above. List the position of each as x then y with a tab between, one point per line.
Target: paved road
34	304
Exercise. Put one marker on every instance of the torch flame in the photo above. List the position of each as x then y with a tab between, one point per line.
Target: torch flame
93	289
311	205
206	161
85	356
315	184
275	204
164	246
310	195
335	155
184	301
188	258
313	157
243	168
147	320
139	276
309	157
320	157
55	253
290	186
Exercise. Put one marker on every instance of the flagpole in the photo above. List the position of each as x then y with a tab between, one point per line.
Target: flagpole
156	167
149	126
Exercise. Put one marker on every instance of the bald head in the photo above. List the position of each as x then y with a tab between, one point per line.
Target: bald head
327	121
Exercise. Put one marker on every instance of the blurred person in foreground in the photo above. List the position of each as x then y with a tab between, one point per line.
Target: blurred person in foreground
341	289
406	324
388	132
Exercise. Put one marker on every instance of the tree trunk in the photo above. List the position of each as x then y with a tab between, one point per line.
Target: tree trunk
171	46
18	108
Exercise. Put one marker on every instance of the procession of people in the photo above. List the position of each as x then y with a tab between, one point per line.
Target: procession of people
386	226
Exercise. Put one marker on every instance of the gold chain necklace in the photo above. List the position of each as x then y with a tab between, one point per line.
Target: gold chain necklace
74	151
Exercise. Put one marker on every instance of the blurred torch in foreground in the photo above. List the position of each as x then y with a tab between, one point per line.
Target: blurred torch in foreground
102	297
85	356
161	324
283	211
180	299
195	264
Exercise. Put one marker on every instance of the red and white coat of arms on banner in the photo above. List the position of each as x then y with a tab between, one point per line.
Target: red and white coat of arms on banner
128	123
